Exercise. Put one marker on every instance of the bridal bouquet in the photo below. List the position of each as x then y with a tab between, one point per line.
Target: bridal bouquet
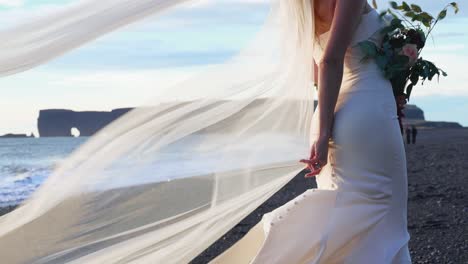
399	55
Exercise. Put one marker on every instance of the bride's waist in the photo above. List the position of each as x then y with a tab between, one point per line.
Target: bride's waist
365	81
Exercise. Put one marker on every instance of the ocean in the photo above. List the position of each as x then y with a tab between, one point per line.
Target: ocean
26	162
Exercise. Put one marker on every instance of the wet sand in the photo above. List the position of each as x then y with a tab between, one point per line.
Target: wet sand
437	202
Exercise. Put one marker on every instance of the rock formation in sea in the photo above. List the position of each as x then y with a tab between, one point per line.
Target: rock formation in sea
59	122
415	116
412	112
15	136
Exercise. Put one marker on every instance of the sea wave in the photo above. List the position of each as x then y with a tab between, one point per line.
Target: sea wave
17	183
26	163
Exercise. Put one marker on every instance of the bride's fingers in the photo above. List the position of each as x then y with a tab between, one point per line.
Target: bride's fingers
307	161
312	173
308	166
313	167
311	161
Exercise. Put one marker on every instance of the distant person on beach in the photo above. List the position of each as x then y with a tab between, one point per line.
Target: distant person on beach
408	135
414	133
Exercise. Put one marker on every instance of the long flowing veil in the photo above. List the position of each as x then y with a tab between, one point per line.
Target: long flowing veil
167	179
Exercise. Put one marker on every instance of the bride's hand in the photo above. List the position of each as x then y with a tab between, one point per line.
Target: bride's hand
318	156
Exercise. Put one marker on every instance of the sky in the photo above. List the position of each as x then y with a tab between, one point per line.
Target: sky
126	67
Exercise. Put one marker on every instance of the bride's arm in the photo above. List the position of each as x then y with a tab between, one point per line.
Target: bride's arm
346	18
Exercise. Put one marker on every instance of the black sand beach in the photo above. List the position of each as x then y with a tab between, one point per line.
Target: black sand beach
437	200
437	206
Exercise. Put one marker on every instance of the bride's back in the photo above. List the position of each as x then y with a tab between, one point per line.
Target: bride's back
324	11
323	15
355	71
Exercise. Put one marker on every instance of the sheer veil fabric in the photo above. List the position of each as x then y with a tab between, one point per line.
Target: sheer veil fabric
166	180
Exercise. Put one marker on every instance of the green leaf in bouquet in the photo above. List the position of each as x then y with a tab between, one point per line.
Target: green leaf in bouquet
416	8
414	77
409	89
417	72
442	14
394	4
443	73
421	33
381	61
427	23
401	60
427	16
388	74
432	70
417	17
455	7
396	23
387	30
426	71
405	6
394	70
369	48
439	72
410	14
387	49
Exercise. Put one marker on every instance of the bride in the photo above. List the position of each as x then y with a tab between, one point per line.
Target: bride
166	180
357	154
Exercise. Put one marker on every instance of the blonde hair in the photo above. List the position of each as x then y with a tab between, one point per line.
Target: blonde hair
304	15
306	9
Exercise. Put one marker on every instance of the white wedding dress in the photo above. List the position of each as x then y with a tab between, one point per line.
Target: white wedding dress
358	213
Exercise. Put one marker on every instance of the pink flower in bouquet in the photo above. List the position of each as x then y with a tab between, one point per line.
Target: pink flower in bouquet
411	51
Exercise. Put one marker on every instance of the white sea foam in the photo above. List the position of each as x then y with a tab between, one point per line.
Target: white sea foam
16	188
26	163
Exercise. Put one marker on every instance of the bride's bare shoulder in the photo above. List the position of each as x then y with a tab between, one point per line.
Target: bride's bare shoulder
326	10
346	17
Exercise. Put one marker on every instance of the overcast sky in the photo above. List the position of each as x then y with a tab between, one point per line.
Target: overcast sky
125	67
